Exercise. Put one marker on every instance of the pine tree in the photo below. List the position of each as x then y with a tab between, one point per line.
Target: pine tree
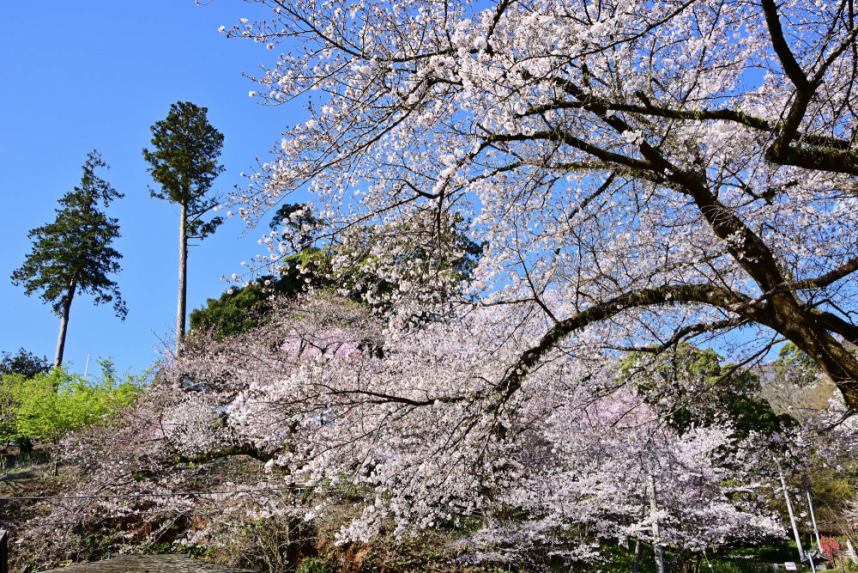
184	164
74	253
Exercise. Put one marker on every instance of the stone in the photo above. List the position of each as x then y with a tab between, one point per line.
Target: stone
149	564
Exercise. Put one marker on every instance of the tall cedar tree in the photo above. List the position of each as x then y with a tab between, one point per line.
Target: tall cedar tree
74	253
184	164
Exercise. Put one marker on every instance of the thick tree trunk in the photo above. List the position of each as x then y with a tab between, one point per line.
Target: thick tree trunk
64	324
811	332
637	562
653	507
183	280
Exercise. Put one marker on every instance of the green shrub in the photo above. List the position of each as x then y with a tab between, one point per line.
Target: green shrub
50	405
313	565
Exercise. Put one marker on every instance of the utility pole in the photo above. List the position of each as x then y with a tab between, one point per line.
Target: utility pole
812	516
791	515
851	551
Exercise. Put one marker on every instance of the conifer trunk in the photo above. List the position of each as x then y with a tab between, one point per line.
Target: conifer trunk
64	324
183	280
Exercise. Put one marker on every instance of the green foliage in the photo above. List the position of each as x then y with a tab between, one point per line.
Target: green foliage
790	354
301	222
184	163
795	367
74	253
242	308
52	404
8	407
237	310
314	565
722	390
24	363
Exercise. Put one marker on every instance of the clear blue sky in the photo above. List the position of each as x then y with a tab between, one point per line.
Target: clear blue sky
95	74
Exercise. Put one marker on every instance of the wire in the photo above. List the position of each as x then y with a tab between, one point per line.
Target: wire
124	496
173	494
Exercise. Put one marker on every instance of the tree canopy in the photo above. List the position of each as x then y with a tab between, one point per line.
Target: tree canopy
75	253
76	249
694	387
639	172
52	404
24	363
183	162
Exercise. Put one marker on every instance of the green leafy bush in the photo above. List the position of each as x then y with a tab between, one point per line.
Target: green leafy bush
313	565
50	405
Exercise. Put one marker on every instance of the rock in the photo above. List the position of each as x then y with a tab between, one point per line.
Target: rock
149	564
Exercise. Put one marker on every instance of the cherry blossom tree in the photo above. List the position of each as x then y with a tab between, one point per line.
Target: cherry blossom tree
639	172
329	396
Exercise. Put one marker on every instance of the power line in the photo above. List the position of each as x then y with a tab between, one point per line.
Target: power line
113	496
136	495
178	493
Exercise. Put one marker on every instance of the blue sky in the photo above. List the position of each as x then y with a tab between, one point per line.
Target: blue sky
95	74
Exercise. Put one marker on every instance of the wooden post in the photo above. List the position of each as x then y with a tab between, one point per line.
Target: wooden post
4	552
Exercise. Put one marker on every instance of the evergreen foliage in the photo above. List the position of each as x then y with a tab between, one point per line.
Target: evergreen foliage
700	390
24	363
300	220
184	163
75	253
240	309
236	310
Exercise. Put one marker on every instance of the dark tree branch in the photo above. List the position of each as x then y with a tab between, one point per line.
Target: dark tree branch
828	278
791	67
665	295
